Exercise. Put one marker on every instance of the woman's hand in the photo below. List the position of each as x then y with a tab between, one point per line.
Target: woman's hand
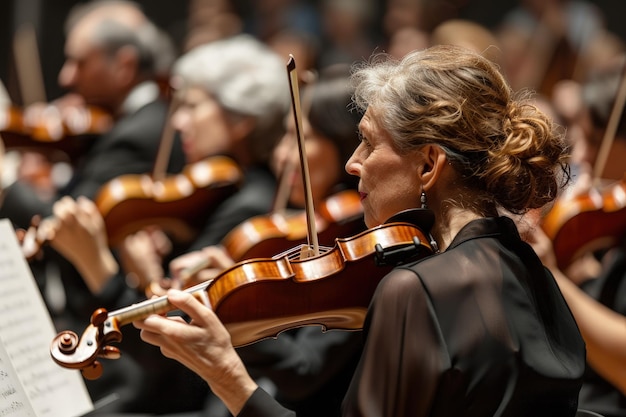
203	345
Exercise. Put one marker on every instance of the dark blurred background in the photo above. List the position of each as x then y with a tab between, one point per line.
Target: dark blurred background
47	18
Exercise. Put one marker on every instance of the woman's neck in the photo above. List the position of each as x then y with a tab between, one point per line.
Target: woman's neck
448	224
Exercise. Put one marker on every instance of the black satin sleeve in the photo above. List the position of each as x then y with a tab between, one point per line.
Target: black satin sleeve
261	404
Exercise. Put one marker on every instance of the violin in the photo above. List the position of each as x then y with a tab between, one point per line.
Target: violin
260	298
591	221
341	214
52	128
595	219
177	203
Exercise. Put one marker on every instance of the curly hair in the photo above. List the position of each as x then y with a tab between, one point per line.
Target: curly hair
505	150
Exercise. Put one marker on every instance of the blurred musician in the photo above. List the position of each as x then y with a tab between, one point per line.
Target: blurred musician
594	284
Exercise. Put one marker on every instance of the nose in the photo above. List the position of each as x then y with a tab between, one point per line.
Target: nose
67	75
281	152
353	166
179	119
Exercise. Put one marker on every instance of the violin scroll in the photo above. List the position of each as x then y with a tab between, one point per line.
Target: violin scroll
70	351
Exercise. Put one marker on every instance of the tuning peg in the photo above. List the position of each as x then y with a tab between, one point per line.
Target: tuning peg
109	352
92	371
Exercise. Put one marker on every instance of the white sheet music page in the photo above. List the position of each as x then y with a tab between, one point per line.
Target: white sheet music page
31	383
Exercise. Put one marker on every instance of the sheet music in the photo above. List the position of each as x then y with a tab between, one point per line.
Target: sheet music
31	383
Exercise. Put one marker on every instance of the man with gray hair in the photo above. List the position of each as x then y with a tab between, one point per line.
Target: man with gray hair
114	57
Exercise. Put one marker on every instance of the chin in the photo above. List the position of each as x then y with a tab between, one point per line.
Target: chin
369	222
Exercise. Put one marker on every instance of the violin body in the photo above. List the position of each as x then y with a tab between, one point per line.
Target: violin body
591	221
260	298
69	131
340	215
332	290
178	203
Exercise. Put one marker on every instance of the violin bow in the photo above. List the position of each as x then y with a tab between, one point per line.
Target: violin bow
611	128
313	245
167	141
28	64
282	192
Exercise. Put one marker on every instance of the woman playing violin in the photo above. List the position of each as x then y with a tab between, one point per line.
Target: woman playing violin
593	284
477	329
234	109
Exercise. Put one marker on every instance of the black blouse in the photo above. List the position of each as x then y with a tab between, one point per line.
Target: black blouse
478	330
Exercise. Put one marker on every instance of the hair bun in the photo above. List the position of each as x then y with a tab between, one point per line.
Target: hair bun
520	172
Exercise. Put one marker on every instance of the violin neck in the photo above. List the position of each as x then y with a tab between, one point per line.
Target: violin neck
160	305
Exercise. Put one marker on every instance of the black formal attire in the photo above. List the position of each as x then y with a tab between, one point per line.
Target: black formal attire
609	288
478	330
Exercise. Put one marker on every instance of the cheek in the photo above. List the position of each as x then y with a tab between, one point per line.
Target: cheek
392	195
211	131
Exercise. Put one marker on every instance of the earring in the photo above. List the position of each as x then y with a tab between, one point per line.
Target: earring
423	200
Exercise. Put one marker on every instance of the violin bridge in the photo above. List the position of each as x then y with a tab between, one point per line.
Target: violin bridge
301	252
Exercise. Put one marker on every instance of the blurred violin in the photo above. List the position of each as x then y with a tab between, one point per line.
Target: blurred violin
52	123
590	221
595	219
341	214
69	131
177	203
260	298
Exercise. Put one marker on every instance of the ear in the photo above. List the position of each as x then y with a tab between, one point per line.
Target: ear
434	160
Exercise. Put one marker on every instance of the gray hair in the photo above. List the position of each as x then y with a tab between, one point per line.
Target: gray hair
243	74
113	31
503	147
